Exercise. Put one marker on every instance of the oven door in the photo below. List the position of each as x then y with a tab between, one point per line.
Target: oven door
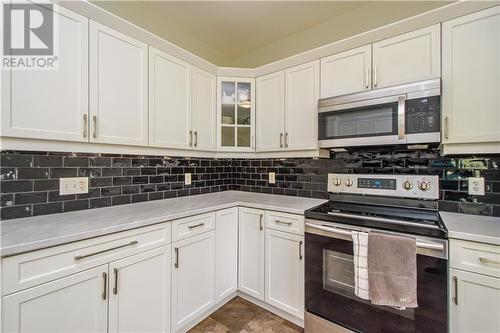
329	288
363	123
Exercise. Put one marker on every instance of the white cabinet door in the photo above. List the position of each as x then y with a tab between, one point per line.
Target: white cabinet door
118	87
51	104
270	111
204	113
471	84
226	253
77	303
474	303
407	58
347	72
301	105
193	278
285	271
251	252
139	292
169	101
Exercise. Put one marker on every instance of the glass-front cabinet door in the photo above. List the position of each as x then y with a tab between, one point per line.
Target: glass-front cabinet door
236	114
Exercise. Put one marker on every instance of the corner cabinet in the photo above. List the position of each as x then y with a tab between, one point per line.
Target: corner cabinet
118	87
471	83
51	104
235	114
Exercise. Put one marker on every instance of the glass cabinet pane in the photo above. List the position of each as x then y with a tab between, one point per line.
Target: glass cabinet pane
244	94
227	137
228	114
244	116
243	134
228	93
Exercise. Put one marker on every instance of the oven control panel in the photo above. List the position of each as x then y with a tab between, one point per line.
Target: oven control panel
410	186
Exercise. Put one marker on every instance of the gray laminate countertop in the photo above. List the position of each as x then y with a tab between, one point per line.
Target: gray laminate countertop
34	233
484	229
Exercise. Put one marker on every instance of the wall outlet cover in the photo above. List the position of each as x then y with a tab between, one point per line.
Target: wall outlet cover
476	185
187	179
272	178
73	185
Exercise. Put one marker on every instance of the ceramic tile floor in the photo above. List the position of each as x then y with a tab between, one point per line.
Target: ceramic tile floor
241	316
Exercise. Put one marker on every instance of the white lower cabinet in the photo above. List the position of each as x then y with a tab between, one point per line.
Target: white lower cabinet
474	302
77	303
251	252
285	271
193	278
226	253
139	292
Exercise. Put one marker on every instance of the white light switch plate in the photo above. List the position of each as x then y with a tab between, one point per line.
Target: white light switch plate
187	179
476	185
272	178
74	185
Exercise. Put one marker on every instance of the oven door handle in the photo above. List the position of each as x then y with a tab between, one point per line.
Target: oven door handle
380	219
423	245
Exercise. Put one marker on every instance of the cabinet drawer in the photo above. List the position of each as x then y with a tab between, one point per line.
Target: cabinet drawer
193	225
285	222
475	257
33	268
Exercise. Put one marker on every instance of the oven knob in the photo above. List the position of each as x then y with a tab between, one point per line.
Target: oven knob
424	186
348	182
407	185
337	182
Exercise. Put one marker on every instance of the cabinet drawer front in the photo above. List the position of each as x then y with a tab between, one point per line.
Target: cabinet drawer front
285	222
193	225
33	268
475	257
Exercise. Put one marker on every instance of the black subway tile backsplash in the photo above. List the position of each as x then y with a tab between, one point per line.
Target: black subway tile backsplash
29	181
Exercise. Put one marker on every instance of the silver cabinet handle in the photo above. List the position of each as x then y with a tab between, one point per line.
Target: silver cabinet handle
115	288
401	117
105	285
300	250
260	222
195	138
455	290
85	125
196	226
446	134
103	251
488	261
281	140
367	78
94	120
286	139
283	222
176	264
375	76
190	138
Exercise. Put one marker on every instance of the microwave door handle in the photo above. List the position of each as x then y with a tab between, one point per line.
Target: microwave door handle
401	117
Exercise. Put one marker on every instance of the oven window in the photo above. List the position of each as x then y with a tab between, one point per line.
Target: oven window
338	272
359	122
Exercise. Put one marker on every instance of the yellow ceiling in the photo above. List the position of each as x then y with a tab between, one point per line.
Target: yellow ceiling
252	33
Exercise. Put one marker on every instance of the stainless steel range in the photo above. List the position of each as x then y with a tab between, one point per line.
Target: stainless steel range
396	204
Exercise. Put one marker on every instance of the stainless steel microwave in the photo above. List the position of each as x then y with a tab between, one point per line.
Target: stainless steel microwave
399	115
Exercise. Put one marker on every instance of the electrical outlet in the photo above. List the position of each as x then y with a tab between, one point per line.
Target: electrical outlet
187	179
73	185
476	185
272	178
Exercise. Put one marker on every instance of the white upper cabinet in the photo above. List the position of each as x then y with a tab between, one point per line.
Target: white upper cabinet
471	83
76	303
118	87
226	251
235	114
410	57
347	72
301	105
51	104
204	116
139	292
270	111
169	101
